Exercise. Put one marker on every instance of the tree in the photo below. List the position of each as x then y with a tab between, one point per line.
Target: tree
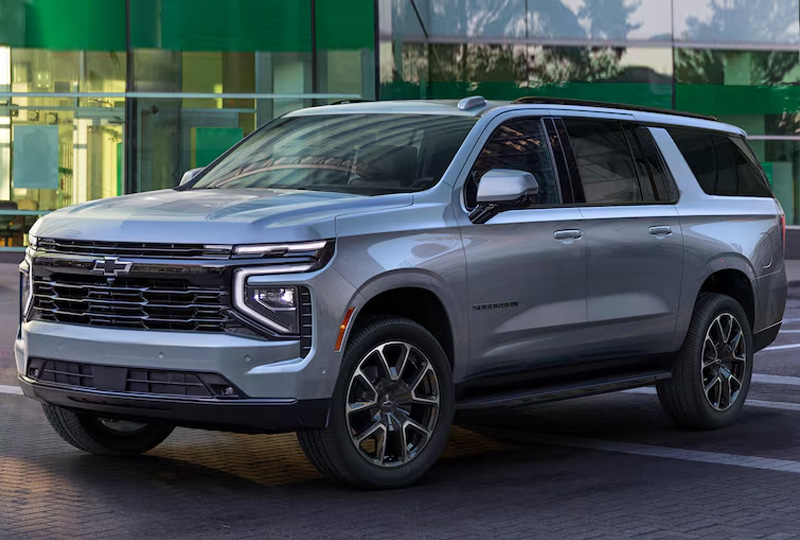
734	21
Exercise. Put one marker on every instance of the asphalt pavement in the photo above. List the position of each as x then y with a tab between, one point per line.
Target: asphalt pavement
610	466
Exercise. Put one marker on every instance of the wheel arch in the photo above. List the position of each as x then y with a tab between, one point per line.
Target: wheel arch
420	305
735	283
421	296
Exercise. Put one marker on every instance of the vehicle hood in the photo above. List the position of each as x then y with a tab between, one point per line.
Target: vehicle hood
211	216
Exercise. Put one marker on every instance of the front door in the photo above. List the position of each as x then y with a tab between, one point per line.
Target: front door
527	267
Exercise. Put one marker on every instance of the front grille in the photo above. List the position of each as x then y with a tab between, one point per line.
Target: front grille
134	380
134	249
70	286
148	304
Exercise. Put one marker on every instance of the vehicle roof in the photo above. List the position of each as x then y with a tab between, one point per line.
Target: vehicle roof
451	108
436	107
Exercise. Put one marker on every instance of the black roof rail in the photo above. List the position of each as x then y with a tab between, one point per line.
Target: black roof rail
543	100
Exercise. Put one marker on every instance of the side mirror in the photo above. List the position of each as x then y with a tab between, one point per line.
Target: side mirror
500	186
189	175
500	189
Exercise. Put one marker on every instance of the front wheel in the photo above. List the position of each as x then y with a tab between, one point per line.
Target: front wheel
391	410
712	371
105	436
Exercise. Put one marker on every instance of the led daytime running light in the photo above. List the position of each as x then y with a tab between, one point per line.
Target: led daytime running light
272	249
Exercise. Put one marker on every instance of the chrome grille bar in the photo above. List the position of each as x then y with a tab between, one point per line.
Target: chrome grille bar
132	303
135	249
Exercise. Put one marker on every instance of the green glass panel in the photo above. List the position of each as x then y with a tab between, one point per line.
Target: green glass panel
210	143
36	157
645	95
718	99
144	18
211	25
92	25
345	24
401	90
648	95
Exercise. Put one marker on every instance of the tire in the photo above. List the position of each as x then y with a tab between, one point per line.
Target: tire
684	396
104	437
366	388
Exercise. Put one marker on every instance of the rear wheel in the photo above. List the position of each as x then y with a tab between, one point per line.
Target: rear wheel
105	436
391	411
711	374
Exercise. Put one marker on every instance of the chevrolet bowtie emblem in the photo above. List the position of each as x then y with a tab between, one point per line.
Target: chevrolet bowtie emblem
111	266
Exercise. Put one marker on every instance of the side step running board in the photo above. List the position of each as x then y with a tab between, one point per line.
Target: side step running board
520	398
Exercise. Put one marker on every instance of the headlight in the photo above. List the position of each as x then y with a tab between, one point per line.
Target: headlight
25	285
273	305
276	305
32	244
276	298
25	294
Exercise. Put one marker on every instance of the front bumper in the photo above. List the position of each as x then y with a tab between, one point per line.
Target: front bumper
284	388
259	368
246	415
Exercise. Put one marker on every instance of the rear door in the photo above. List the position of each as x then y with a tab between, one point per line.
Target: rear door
633	236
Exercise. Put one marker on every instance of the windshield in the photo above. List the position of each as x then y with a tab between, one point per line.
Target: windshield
367	154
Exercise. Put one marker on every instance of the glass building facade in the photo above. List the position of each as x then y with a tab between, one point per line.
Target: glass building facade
738	60
105	97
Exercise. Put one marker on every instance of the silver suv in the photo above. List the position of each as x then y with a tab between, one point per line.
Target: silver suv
357	272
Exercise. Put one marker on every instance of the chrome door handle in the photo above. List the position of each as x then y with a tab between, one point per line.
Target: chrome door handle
661	230
567	234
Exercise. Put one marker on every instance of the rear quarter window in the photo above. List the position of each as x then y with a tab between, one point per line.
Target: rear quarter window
722	164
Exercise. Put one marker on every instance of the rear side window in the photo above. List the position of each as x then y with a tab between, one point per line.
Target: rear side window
722	164
662	179
608	172
752	182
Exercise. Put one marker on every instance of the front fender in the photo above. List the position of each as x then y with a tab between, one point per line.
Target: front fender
454	305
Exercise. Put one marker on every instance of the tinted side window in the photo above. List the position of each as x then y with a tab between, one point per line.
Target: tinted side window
697	148
662	179
519	145
606	167
723	165
751	178
726	167
646	184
